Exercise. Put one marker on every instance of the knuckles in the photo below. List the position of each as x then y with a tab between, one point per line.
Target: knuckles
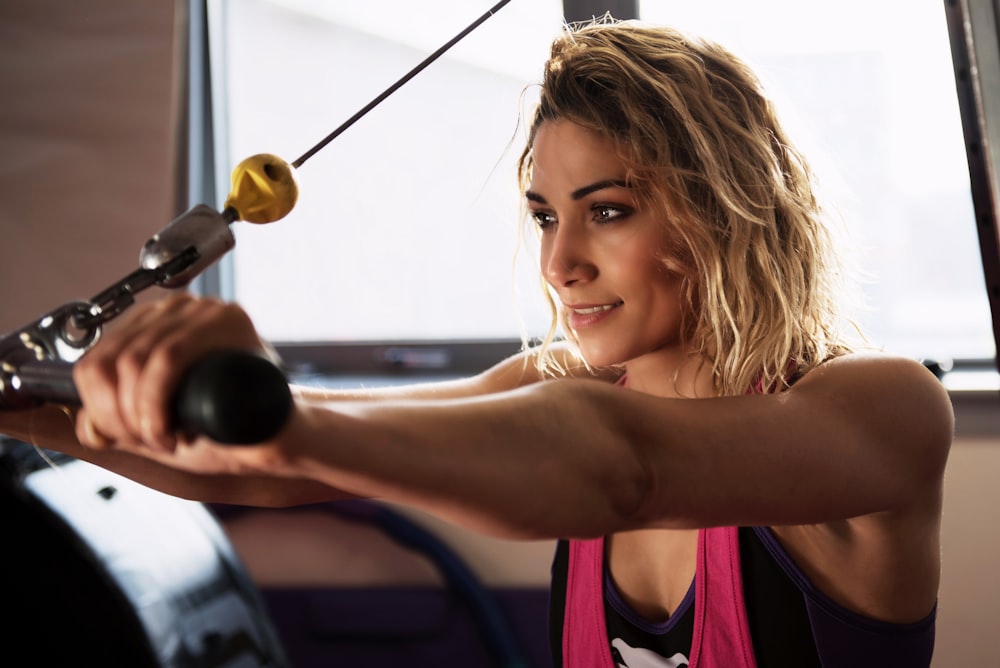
125	380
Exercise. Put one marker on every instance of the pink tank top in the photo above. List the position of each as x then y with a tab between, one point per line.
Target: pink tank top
721	633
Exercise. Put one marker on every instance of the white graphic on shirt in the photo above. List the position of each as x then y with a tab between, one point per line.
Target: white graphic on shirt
638	657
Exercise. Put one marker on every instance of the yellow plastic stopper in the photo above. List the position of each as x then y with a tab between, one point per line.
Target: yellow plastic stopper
264	189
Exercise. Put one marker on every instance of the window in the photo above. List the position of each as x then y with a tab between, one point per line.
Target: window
406	229
407	224
875	106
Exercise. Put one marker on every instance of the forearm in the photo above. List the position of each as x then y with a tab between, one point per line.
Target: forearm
53	428
523	464
516	371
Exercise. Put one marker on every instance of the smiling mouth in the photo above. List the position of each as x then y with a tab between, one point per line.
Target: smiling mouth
590	310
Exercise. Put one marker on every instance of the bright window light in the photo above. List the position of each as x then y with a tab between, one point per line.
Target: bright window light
874	104
407	224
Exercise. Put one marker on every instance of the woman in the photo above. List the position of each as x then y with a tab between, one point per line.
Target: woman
705	387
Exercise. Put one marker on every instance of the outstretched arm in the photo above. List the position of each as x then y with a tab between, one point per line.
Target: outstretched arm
859	435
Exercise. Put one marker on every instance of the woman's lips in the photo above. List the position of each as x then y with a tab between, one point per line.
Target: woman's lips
585	315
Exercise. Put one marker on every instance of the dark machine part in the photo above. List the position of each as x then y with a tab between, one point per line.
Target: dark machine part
100	570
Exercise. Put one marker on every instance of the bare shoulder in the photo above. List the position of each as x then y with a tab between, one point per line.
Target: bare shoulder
883	564
892	379
875	367
896	396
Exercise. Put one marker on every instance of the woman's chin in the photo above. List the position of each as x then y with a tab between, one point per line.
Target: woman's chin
600	357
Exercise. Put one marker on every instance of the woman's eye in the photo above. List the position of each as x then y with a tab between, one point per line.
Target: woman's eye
543	219
605	214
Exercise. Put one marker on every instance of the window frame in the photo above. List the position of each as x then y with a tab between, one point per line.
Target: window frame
972	31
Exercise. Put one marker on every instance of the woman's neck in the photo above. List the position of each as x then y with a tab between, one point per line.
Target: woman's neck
671	374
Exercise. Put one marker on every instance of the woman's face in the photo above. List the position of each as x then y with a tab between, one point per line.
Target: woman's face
599	250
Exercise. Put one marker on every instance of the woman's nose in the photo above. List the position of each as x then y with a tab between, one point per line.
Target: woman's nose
566	257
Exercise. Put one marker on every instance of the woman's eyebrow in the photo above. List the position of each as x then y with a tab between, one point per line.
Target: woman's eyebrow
579	193
532	196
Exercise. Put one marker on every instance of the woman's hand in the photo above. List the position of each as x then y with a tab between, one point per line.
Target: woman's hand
127	382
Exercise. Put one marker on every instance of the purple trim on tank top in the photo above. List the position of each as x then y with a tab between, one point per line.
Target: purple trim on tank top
815	597
845	638
621	606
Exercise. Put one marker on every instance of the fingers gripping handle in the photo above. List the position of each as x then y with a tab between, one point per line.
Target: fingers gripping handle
232	397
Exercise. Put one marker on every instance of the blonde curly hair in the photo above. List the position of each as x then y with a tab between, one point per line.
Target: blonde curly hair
703	146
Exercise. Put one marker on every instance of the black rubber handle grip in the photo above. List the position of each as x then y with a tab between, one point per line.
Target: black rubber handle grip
232	397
